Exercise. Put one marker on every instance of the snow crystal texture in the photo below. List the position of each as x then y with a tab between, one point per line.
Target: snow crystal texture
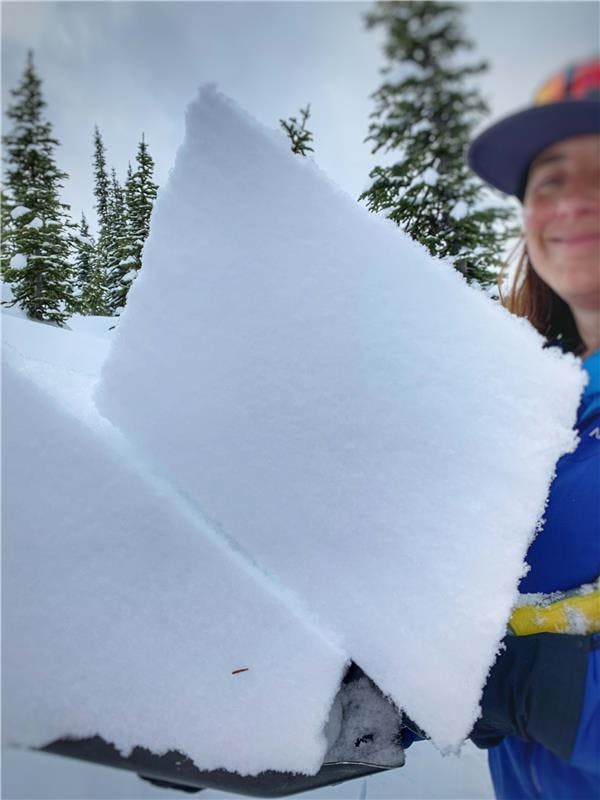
377	434
121	616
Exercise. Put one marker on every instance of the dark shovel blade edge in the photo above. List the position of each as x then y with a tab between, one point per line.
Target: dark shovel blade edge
177	769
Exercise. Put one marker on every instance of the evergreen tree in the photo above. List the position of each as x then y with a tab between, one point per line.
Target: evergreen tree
130	194
425	114
91	279
39	270
84	249
119	246
101	193
140	194
94	297
101	181
133	243
6	232
297	132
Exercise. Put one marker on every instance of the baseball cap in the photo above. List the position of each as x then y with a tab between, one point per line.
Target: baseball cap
567	104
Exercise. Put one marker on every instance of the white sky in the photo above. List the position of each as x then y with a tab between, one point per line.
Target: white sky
134	66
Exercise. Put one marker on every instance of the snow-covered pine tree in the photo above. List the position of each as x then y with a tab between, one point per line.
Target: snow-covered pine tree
145	190
91	280
6	232
84	253
131	254
119	246
138	199
39	271
125	271
94	298
425	114
130	192
101	181
297	132
101	193
140	194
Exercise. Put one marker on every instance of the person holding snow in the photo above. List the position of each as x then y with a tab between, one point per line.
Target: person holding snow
540	715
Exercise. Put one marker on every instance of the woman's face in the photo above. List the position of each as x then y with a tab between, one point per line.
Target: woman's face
561	219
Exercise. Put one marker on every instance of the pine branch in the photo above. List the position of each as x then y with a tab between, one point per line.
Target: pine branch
297	132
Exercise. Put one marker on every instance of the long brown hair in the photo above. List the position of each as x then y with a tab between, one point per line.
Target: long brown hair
528	296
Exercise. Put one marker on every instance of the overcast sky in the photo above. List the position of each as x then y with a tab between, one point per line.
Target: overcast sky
134	66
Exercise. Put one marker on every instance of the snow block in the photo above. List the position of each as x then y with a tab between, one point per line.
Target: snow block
123	614
375	433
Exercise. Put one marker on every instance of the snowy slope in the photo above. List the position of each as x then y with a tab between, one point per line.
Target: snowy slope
377	435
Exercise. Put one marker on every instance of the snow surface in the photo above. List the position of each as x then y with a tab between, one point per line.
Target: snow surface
373	433
36	223
101	327
123	614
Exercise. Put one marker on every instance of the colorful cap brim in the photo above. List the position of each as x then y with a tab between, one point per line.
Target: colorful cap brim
502	153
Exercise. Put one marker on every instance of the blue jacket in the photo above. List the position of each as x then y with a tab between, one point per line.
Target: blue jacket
564	555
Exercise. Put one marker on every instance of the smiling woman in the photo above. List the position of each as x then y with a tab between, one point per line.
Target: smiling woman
548	156
540	716
561	218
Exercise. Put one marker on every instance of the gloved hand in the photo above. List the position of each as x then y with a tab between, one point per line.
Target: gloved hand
535	691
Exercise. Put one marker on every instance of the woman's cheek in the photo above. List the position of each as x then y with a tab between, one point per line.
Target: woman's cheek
534	217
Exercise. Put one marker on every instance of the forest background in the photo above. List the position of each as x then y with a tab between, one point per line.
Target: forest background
117	76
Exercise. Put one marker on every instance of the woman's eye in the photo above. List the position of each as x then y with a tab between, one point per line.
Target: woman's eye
550	180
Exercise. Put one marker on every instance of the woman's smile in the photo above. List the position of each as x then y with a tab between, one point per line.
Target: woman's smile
591	239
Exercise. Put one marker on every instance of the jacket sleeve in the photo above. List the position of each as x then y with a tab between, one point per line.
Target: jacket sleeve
586	750
536	690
